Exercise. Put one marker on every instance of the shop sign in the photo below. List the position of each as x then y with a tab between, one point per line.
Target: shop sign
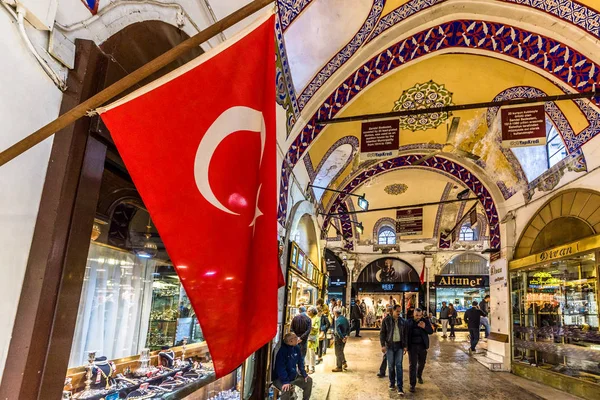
379	139
337	283
543	280
409	222
558	252
523	126
387	287
498	272
462	281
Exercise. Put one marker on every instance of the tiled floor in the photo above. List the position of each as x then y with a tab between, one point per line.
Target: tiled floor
449	374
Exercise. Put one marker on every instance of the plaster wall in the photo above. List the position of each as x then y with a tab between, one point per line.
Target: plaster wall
29	100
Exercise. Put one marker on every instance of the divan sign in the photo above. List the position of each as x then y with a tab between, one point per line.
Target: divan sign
558	252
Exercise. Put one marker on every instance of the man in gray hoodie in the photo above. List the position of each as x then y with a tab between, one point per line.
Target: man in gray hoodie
444	318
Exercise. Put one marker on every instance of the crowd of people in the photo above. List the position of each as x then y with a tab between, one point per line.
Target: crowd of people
313	328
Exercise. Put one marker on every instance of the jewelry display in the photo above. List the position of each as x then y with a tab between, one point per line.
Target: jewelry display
226	395
104	371
88	391
167	357
143	370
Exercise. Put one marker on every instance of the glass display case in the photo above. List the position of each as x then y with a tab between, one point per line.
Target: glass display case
555	317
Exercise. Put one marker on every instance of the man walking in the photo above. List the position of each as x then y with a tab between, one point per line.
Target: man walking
301	326
289	371
473	319
383	366
341	332
444	318
356	316
393	339
418	330
485	321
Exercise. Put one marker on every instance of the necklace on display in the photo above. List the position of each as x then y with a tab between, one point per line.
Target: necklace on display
111	369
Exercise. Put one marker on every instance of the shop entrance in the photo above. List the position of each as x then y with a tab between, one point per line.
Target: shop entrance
386	281
376	304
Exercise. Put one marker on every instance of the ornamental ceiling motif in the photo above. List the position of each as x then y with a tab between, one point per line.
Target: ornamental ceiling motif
423	95
395	189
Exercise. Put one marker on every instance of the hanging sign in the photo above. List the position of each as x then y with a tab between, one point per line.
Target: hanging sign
523	126
409	222
473	218
379	139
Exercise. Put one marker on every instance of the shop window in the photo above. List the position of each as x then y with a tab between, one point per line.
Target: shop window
467	233
386	235
535	160
555	317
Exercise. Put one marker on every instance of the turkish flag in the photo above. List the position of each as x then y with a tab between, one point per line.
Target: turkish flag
199	144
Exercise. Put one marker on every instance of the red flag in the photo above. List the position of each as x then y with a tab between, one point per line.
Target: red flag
199	144
422	277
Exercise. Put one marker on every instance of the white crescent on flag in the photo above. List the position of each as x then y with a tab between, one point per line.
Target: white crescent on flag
230	121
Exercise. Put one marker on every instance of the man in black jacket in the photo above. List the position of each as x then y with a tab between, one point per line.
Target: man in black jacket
356	316
393	340
418	330
301	326
473	319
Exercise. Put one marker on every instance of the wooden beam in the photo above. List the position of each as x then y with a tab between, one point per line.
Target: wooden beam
130	80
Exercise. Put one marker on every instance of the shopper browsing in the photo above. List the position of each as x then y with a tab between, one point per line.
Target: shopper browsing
473	319
485	321
341	332
444	318
393	340
289	371
418	330
313	340
301	326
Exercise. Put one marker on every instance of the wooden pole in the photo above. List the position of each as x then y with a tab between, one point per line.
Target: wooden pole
460	107
130	80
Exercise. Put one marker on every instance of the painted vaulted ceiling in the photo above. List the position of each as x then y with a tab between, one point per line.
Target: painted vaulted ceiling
376	56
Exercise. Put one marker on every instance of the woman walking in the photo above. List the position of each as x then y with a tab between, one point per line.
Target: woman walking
452	314
313	340
324	328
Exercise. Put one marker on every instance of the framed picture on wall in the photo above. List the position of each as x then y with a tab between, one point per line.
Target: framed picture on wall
300	264
294	255
309	270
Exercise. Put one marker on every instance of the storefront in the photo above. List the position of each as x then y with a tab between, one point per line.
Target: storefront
386	281
460	291
338	278
554	296
464	279
305	283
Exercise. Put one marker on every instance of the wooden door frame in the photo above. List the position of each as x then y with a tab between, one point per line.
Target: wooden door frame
42	335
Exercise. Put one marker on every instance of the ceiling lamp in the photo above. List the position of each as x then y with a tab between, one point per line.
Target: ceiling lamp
363	203
360	228
150	249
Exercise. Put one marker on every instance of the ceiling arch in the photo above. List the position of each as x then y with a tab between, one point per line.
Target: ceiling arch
403	16
567	216
436	163
546	55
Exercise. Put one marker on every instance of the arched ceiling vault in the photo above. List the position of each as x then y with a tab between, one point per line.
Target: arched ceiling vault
475	58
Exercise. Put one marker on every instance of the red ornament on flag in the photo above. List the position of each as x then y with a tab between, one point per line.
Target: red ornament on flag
200	145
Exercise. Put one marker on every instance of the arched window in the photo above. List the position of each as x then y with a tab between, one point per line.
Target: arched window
467	234
386	236
535	160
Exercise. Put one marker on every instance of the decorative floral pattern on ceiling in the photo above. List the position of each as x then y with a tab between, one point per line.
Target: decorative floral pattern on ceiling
286	96
482	37
395	189
289	10
423	95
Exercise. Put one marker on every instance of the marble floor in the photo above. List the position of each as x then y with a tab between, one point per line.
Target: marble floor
450	373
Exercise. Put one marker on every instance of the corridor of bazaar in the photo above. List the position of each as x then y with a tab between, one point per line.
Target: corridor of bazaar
402	201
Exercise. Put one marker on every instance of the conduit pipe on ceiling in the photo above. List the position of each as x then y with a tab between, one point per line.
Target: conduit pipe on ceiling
115	4
19	16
